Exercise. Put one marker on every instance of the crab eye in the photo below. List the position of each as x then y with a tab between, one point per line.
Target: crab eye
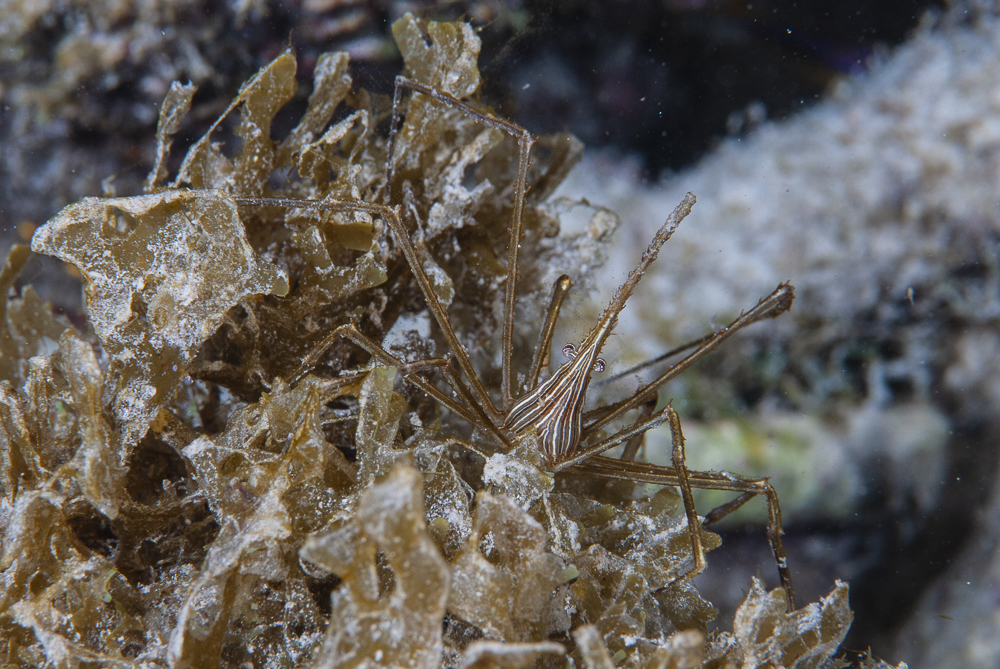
599	365
569	351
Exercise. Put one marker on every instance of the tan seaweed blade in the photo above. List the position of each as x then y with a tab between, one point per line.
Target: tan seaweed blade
552	411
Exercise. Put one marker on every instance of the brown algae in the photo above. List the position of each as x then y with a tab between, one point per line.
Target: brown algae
170	499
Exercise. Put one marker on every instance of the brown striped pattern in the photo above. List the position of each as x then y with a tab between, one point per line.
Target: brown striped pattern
555	407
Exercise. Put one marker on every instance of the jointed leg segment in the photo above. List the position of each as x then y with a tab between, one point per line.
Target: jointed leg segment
773	305
684	484
541	357
748	489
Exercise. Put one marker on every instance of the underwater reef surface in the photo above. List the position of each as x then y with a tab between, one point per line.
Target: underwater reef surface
201	476
874	403
871	404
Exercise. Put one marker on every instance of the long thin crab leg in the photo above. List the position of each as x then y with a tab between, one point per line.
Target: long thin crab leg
723	510
749	488
406	368
774	304
474	415
441	316
632	447
658	359
524	141
684	483
399	232
460	388
313	358
351	332
541	358
680	472
620	437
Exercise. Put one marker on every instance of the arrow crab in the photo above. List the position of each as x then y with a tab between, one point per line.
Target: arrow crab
552	410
